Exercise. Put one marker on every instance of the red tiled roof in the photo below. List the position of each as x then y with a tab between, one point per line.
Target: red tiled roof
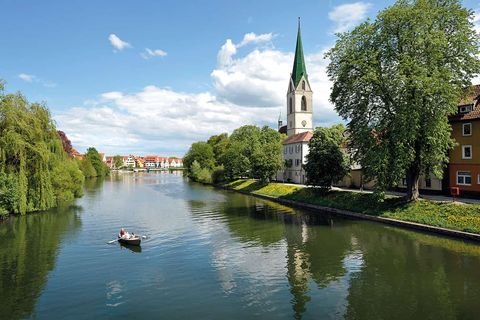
470	97
299	137
75	152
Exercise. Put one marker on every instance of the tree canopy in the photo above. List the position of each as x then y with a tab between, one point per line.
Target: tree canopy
35	171
254	153
96	160
117	161
249	152
219	145
397	79
326	162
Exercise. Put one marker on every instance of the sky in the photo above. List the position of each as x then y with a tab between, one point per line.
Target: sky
151	77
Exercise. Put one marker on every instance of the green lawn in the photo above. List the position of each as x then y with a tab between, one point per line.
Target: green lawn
451	215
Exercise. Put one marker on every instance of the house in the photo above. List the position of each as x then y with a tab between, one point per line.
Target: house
139	162
75	154
299	126
150	162
175	162
129	161
464	166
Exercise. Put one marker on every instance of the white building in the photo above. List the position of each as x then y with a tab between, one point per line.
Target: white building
129	162
299	126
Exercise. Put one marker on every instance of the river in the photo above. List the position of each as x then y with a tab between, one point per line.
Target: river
215	254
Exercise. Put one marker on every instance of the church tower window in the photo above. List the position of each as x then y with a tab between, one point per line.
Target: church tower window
304	103
303	85
290	105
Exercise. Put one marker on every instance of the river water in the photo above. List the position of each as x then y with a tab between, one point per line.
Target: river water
214	254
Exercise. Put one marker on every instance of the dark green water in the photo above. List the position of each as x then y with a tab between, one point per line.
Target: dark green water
214	254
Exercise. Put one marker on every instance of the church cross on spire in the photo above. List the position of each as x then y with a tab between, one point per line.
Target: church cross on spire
299	69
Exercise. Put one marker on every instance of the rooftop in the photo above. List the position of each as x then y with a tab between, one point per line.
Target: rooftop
299	137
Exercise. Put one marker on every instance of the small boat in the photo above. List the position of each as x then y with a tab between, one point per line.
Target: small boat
134	240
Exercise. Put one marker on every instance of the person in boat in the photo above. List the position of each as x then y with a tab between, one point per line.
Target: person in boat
124	234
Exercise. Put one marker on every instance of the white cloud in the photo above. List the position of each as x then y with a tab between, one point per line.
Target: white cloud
253	38
149	53
229	48
31	78
26	77
476	21
226	52
118	43
248	89
346	16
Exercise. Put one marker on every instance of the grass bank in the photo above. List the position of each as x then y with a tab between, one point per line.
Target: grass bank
456	216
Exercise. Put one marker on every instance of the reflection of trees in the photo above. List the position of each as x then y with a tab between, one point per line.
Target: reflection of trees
28	248
316	253
313	253
249	219
405	279
92	184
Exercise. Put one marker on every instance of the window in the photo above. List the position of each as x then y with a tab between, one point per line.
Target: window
290	105
428	182
290	149
285	150
464	178
303	85
304	103
466	152
465	109
297	162
467	129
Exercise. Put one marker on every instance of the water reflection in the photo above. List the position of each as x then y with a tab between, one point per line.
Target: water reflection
134	249
360	270
227	256
26	262
409	275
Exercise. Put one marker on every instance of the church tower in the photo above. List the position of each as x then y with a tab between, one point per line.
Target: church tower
299	95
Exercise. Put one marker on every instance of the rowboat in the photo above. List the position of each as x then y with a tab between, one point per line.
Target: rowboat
133	240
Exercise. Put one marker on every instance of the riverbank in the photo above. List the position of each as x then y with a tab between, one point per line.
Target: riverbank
435	216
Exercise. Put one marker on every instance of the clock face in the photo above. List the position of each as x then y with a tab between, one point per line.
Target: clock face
304	123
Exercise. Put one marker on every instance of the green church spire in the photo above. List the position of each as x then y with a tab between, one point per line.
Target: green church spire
299	69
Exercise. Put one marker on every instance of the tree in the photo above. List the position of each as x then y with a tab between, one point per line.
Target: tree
253	152
236	164
239	155
67	144
95	159
267	157
396	80
201	152
326	162
33	163
87	168
219	145
117	161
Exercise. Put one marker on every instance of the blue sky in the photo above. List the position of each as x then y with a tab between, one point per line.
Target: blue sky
151	77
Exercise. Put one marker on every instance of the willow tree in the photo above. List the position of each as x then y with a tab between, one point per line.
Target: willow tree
397	79
35	172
